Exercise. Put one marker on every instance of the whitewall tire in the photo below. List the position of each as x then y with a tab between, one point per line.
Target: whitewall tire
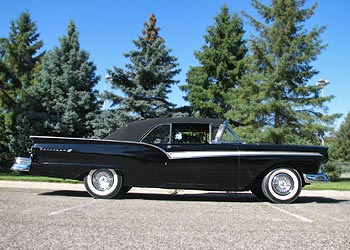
282	185
103	183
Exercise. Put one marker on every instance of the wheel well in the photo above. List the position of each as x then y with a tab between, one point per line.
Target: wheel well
259	178
119	171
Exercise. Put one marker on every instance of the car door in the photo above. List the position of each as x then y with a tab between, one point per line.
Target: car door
193	161
202	166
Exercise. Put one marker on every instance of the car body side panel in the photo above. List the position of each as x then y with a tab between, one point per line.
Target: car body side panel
201	166
186	166
257	159
74	158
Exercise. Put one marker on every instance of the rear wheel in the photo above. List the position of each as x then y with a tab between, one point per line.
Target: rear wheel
103	183
282	185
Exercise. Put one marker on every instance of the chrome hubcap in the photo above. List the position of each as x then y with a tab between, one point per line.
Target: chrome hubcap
282	184
102	180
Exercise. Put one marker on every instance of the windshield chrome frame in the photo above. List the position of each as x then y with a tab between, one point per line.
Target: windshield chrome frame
218	137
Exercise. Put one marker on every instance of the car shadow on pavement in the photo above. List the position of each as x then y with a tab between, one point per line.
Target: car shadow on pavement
202	197
214	197
319	199
69	193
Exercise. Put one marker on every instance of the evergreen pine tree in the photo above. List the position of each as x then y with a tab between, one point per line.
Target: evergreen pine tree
22	48
19	59
283	106
63	97
341	145
210	87
146	80
5	102
107	121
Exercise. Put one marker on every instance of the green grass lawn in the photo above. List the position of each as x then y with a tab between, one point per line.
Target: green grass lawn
26	177
340	184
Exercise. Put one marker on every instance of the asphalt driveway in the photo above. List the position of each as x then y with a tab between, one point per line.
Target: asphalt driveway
64	216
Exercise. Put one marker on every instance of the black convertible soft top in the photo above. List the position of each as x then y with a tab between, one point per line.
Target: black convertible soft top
134	131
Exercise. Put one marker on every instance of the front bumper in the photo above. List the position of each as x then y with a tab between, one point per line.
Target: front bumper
22	164
315	178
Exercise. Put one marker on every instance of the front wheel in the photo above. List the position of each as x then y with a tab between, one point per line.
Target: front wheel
282	185
103	183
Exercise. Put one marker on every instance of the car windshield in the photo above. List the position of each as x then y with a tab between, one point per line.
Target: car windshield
224	134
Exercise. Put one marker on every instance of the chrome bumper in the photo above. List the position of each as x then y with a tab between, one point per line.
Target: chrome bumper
314	178
22	164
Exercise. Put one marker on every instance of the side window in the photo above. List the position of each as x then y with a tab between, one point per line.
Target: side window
159	135
190	134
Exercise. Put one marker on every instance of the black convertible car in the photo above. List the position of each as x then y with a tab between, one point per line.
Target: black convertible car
182	153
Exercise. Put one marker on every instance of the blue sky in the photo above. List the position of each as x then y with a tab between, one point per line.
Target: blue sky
107	28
